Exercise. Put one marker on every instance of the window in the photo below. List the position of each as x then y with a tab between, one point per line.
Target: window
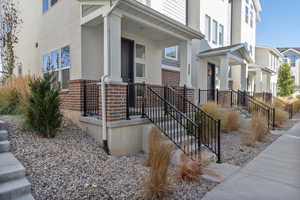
171	52
251	19
293	61
247	14
251	50
207	27
58	62
140	51
246	45
65	77
65	57
140	66
53	2
45	5
140	70
221	35
215	32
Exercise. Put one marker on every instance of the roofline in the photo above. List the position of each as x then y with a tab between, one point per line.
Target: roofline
291	49
274	50
162	17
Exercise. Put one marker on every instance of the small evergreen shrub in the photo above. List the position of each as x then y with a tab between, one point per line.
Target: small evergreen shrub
42	113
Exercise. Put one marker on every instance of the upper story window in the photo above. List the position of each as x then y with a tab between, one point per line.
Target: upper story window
251	19
208	27
47	4
221	35
293	60
247	1
215	32
247	14
171	52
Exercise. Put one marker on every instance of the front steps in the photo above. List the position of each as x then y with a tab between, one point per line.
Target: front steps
13	183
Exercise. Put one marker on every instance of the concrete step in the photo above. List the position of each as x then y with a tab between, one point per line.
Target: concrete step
2	125
3	135
4	146
25	197
10	168
14	189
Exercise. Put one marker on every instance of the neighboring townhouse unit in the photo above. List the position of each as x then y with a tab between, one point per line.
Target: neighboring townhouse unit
119	42
264	73
292	57
221	60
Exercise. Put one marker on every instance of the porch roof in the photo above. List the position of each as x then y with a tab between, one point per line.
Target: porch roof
263	68
237	51
141	12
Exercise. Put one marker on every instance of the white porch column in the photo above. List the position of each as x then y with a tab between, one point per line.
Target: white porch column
112	47
186	64
244	76
258	81
224	72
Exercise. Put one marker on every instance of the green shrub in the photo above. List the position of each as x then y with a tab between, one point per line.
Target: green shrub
42	113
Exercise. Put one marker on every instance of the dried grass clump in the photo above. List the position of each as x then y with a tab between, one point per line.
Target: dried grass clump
13	94
281	116
258	130
153	141
296	106
277	103
230	120
157	184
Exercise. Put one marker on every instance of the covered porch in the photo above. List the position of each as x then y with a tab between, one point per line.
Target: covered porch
124	42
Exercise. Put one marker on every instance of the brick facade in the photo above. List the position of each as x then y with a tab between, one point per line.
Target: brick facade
170	77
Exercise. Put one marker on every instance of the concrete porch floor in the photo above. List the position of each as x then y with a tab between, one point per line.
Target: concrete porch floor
272	175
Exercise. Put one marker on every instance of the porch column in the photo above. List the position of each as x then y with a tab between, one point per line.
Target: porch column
185	64
244	76
224	72
112	47
258	81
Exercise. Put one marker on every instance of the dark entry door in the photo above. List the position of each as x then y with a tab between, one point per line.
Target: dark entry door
211	80
127	67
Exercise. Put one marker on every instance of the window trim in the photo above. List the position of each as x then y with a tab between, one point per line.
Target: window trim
176	53
247	14
215	34
208	32
221	27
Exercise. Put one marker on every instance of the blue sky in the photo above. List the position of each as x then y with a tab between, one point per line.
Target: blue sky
280	25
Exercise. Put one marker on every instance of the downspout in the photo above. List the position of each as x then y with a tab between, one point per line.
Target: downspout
231	23
104	122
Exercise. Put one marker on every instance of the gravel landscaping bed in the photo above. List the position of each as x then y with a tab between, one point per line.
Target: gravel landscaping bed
236	153
73	166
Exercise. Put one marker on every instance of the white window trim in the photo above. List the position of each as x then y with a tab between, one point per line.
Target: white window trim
208	35
171	58
215	34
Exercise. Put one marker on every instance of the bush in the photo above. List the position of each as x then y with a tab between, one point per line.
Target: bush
157	184
153	141
13	94
281	116
229	119
277	103
258	130
42	113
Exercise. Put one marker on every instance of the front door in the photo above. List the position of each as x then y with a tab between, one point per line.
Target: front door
127	67
211	79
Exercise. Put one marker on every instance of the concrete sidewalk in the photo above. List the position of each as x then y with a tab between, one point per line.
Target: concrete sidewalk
273	175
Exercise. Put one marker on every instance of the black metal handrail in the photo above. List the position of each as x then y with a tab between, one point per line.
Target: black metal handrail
211	127
176	125
254	105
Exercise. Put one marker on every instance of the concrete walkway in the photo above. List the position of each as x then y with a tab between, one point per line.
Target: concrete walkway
273	175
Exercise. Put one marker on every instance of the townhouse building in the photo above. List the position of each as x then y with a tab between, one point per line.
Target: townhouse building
221	60
263	74
292	57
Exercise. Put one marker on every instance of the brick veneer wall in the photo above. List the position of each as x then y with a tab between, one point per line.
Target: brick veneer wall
71	98
170	77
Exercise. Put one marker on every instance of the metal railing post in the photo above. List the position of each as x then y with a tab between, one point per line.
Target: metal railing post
185	97
143	100
274	113
166	98
84	99
219	142
127	103
231	98
217	96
